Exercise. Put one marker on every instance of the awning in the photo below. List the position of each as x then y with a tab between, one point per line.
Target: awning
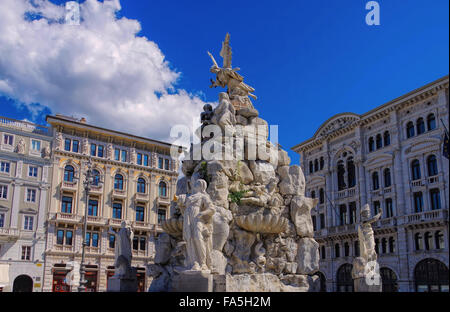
4	274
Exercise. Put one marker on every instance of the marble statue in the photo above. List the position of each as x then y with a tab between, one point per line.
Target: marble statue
59	141
21	147
366	235
123	253
46	152
198	211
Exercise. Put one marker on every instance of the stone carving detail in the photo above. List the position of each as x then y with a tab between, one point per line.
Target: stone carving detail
337	124
46	152
20	148
133	155
85	146
110	151
59	141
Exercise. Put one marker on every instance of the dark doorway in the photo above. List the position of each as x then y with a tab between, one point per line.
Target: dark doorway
431	275
23	283
344	278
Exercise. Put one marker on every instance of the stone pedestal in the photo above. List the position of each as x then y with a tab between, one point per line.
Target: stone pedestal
361	285
122	284
193	281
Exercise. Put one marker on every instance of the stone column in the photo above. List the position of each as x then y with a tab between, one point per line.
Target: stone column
403	265
398	184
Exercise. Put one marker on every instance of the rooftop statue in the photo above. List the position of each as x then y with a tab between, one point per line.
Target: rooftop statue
228	77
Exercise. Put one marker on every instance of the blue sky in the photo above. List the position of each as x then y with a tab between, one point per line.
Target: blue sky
307	60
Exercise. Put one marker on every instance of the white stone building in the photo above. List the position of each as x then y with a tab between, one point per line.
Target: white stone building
25	171
391	158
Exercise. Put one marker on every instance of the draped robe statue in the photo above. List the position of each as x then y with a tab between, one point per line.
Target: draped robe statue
123	253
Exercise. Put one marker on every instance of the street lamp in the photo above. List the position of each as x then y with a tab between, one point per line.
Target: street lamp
90	179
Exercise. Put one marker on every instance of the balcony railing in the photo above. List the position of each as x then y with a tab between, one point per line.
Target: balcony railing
115	222
8	232
92	250
121	193
141	225
163	200
434	215
346	193
96	220
96	189
69	185
139	253
63	248
67	217
417	183
142	196
24	126
342	228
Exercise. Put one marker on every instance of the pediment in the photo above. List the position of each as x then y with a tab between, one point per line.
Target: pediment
28	210
4	208
425	144
378	159
335	123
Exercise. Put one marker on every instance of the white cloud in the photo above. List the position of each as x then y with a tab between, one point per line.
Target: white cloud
100	69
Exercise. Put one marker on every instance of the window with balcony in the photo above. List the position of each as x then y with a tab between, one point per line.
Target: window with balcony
418	202
342	214
140	213
387	138
92	239
391	245
371	144
431	122
432	166
379	141
435	199
4	167
66	204
118	182
418	242
117	211
33	171
162	189
31	195
352	208
161	215
389	208
117	154
64	237
337	251
375	181
3	192
141	185
69	172
409	129
439	240
321	196
26	253
387	177
415	169
376	207
93	208
36	145
8	139
28	223
420	124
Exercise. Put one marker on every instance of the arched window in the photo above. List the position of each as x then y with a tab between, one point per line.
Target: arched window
337	251
375	181
387	177
311	167
118	182
435	199
391	245
388	280
371	144
96	175
346	249
439	240
379	141
323	252
356	248
431	122
316	165
344	278
162	189
384	245
351	172
141	185
431	275
428	240
377	246
340	174
321	196
415	169
323	282
432	166
68	173
322	163
418	242
410	129
389	208
420	124
387	138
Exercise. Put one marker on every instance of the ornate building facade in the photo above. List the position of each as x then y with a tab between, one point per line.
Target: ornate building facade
25	173
134	181
391	158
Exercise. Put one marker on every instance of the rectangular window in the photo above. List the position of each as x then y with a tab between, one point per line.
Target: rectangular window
145	160
435	199
117	211
135	243
26	252
139	159
93	207
161	215
67	145
389	208
95	239
117	154
166	164
32	171
160	163
60	237
36	145
66	206
352	207
124	156
31	195
314	222
28	223
100	151
4	167
342	214
112	241
75	146
2	220
8	139
376	207
142	242
140	213
93	150
88	239
418	202
3	192
69	236
322	220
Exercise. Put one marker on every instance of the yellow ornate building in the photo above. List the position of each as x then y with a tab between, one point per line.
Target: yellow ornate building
135	179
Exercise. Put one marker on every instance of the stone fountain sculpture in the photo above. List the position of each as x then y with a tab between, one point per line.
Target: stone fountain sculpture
365	272
240	223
